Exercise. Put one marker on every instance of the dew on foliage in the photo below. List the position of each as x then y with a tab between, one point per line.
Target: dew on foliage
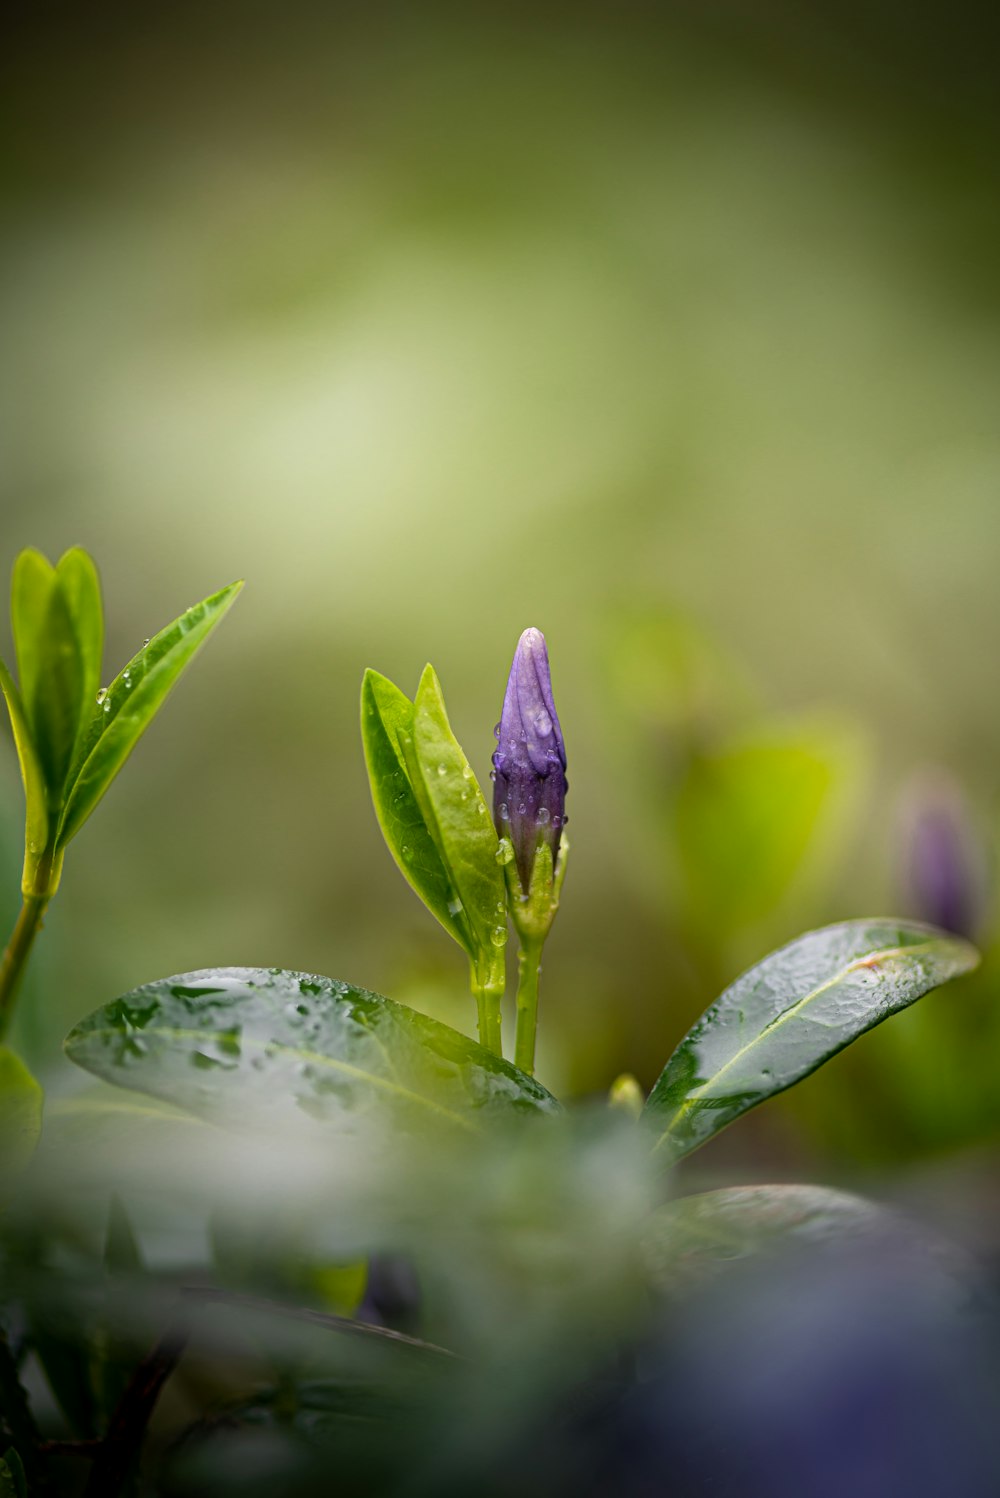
101	695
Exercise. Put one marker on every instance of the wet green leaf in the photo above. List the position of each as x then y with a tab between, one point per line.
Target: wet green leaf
263	1047
36	829
20	1113
458	817
131	702
386	718
789	1014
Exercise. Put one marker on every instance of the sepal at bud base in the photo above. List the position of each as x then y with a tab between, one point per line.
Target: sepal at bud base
534	912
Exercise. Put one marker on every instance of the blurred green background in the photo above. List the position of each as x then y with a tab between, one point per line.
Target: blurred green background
670	330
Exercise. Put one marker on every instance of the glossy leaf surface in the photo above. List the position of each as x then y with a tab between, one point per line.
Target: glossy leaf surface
386	719
131	702
697	1237
789	1014
20	1113
50	663
458	816
36	828
264	1046
81	589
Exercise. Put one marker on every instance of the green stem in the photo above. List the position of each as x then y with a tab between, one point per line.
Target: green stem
528	969
16	956
488	1010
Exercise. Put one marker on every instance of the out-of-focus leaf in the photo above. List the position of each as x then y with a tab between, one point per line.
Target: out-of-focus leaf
339	1287
457	814
121	1249
20	1114
131	702
50	663
36	829
114	1356
66	1365
255	1046
789	1014
754	816
386	718
696	1237
13	1483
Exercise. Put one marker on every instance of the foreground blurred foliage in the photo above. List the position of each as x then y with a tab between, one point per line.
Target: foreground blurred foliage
531	1319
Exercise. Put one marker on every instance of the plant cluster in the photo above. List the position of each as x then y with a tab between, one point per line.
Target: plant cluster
373	1199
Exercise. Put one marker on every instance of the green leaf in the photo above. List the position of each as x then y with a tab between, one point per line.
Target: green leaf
81	588
36	829
50	664
387	717
131	702
458	818
262	1047
31	586
20	1113
786	1016
756	819
697	1237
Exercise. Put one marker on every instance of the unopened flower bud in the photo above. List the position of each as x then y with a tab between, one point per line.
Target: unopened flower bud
529	792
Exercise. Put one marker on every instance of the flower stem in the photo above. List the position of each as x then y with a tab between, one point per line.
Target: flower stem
528	970
16	955
488	1000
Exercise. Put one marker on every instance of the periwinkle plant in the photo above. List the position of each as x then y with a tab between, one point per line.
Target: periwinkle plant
73	735
293	1053
529	807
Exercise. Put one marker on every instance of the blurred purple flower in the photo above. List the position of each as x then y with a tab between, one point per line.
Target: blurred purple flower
529	791
944	871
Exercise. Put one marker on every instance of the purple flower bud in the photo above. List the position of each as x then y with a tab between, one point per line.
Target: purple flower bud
529	791
944	866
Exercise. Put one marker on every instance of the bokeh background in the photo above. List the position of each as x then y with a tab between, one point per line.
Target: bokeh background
672	330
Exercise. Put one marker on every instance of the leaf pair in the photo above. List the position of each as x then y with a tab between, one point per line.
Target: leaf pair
434	817
72	737
254	1045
